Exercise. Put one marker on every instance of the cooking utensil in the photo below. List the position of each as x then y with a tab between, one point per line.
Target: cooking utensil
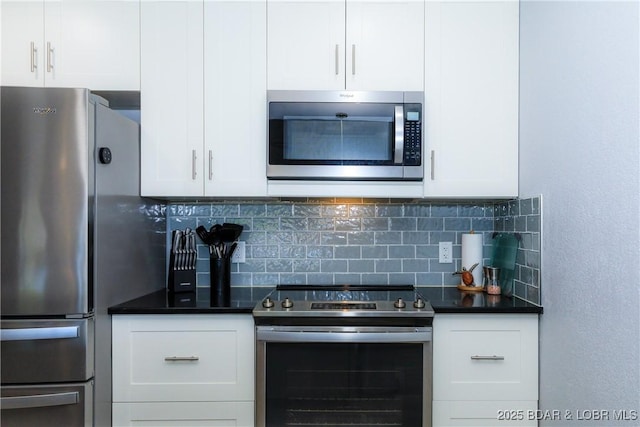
188	234
232	249
177	241
203	234
231	231
189	250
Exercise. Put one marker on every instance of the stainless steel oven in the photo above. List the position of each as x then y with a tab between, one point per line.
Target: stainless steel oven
330	356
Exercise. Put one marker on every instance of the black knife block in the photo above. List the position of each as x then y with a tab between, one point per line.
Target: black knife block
220	281
181	280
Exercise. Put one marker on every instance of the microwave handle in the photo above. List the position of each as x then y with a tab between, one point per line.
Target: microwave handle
398	149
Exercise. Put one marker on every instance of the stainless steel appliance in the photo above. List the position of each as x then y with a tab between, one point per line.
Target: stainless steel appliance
343	355
341	135
76	238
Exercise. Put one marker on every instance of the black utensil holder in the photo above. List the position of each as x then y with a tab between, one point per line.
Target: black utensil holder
220	273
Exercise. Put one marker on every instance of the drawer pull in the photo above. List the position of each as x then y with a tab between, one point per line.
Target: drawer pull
181	359
494	357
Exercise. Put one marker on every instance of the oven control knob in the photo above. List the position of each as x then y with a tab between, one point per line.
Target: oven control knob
419	303
399	303
268	303
287	303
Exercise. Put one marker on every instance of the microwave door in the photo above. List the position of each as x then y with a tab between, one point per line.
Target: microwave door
338	141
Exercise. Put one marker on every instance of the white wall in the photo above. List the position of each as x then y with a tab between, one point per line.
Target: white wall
579	148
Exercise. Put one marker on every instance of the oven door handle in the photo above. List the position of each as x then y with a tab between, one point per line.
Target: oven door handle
404	335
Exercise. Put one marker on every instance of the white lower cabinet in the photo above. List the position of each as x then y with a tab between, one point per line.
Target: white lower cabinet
182	414
485	370
182	370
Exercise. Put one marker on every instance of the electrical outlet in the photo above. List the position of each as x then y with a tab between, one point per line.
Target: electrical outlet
445	252
239	255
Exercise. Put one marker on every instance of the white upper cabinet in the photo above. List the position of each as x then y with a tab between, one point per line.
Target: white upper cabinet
235	123
385	45
203	98
171	98
22	43
71	43
305	48
353	44
471	99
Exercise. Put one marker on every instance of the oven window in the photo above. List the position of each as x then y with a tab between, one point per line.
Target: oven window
333	384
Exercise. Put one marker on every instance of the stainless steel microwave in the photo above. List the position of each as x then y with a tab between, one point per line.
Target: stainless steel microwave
343	135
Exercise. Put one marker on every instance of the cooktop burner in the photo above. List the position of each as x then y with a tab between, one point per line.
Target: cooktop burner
342	301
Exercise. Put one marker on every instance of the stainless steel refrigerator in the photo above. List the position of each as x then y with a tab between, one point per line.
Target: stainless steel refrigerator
76	239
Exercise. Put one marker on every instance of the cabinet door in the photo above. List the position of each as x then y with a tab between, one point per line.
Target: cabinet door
306	45
183	358
169	414
484	413
385	45
171	98
485	357
22	43
235	98
92	44
471	99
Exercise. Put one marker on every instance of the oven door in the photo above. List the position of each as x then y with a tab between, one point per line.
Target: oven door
343	376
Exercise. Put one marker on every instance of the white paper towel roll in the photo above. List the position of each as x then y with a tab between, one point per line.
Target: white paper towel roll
471	254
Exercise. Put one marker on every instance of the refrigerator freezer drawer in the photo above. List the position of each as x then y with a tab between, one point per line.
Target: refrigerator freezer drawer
47	405
47	351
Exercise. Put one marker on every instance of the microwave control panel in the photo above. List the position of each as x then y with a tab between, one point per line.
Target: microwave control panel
412	136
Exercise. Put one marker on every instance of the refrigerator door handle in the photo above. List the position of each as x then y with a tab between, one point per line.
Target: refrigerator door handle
25	334
40	400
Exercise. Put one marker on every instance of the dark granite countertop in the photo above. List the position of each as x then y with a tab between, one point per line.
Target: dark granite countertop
243	299
452	300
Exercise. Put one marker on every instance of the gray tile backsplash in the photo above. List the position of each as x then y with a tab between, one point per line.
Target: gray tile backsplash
361	241
525	218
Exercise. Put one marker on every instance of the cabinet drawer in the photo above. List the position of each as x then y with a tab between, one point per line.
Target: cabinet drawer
183	358
484	413
239	414
485	357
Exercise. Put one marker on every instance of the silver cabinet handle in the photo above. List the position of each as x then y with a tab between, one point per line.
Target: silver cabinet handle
433	164
40	400
27	334
49	57
494	357
353	59
194	157
337	59
181	359
34	58
398	149
210	165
